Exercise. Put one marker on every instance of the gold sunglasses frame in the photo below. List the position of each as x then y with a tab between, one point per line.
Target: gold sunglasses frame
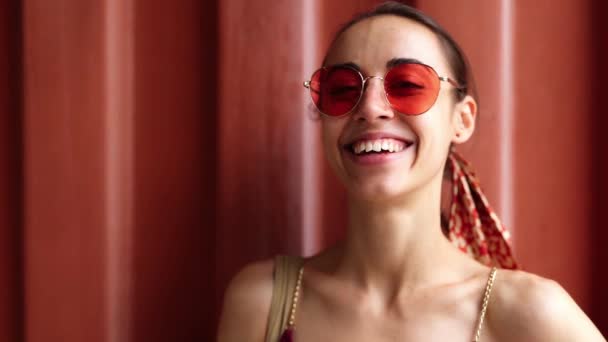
364	79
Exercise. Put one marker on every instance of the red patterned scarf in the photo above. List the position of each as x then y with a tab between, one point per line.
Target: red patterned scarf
474	227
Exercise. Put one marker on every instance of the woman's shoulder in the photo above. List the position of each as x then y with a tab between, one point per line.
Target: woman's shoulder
247	303
527	307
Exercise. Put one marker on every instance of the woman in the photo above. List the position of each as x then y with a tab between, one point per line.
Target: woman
395	95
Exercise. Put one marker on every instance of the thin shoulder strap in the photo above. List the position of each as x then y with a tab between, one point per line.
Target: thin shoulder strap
484	304
286	269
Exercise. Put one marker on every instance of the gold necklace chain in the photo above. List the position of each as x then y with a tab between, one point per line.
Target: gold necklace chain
294	304
484	305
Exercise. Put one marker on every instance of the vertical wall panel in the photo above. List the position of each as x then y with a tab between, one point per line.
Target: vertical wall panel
11	298
64	172
118	96
599	140
120	170
174	122
260	119
209	177
552	146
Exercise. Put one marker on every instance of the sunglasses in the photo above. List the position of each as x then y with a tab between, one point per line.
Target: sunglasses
410	88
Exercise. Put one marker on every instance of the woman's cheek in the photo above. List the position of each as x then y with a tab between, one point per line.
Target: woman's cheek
330	146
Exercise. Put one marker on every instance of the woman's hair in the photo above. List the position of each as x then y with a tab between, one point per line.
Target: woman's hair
455	56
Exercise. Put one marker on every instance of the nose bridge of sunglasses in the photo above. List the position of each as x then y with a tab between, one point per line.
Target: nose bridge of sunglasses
368	78
366	84
381	91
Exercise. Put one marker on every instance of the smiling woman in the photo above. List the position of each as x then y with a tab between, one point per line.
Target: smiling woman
395	96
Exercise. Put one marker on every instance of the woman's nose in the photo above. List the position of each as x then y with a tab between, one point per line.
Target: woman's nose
373	104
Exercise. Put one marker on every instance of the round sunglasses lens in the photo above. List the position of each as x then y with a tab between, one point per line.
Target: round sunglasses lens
335	91
411	88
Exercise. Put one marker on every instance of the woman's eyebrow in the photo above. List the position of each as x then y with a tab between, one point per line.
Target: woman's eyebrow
397	61
348	65
391	63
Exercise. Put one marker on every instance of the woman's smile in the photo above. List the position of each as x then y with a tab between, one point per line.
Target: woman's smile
376	148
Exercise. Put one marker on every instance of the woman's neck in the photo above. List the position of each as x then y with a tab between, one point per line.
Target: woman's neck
397	244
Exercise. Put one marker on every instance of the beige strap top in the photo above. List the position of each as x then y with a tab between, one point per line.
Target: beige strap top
288	270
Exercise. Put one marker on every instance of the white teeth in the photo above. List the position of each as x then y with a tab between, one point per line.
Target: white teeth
359	147
379	145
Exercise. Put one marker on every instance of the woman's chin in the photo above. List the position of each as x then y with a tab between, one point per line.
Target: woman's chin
380	191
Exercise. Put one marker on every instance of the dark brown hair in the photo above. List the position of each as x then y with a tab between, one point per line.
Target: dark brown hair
454	54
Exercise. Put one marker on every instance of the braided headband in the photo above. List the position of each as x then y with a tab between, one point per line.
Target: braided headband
473	226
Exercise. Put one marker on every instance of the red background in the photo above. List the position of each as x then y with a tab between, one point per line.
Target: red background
149	149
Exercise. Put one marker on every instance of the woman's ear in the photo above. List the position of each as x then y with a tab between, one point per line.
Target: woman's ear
463	119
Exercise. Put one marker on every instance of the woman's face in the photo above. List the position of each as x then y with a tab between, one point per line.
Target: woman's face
425	138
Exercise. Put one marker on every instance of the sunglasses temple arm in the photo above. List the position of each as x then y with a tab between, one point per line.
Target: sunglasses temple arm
452	82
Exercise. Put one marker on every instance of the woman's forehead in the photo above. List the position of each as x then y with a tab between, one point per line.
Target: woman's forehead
373	42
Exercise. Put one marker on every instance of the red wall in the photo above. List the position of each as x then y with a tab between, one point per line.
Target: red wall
555	160
151	149
11	148
599	237
174	153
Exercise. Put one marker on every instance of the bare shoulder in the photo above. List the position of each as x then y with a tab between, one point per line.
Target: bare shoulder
526	307
247	303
